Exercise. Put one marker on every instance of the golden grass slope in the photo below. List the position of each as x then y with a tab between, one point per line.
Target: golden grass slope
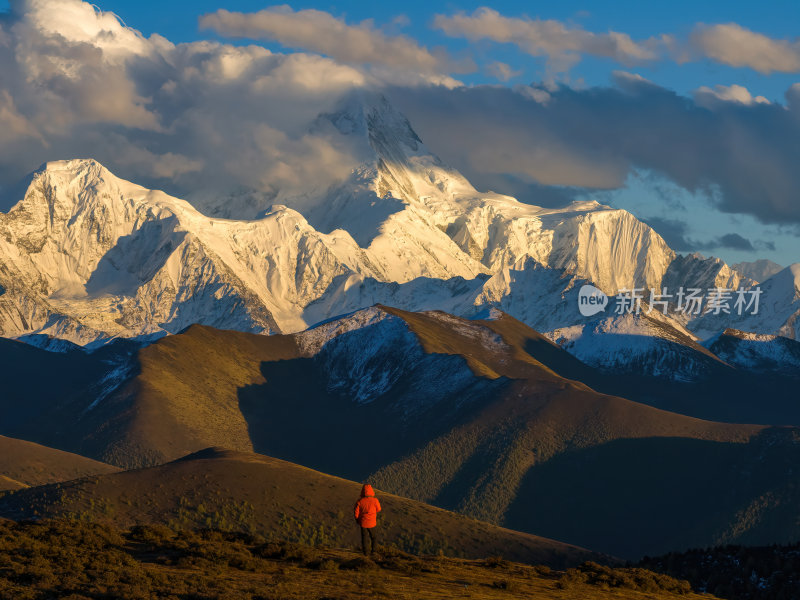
82	560
248	492
183	398
24	464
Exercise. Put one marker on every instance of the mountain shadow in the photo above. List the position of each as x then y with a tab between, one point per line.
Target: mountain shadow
632	497
305	410
135	258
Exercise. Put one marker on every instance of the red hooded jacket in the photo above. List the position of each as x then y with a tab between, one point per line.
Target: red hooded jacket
367	508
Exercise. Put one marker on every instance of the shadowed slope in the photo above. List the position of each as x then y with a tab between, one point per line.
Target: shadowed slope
34	380
461	414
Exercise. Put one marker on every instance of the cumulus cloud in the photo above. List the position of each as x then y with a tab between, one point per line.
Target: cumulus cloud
210	116
562	45
62	59
737	46
76	82
745	156
711	97
319	31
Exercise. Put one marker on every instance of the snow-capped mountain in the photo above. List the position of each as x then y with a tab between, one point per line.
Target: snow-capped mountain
86	256
639	344
778	310
696	271
759	352
403	203
359	354
759	270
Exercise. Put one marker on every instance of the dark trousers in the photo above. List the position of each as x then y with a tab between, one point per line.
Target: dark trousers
368	531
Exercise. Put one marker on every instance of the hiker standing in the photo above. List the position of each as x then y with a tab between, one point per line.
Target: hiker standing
366	511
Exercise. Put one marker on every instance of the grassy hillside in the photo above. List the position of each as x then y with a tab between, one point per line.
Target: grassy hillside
25	464
6	483
607	474
648	496
78	560
247	492
181	396
737	572
550	454
484	418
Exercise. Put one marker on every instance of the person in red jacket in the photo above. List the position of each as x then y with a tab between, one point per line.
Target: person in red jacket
366	511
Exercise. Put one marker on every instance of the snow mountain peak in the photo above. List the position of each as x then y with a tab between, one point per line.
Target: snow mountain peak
370	114
87	256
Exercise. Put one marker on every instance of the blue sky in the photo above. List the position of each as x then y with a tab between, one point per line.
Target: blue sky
736	199
178	21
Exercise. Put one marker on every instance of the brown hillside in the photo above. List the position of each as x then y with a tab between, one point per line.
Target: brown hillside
6	484
27	464
86	560
183	397
485	418
262	495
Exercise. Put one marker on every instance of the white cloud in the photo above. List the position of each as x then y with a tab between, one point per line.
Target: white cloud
623	78
708	97
319	31
76	82
502	71
737	46
562	45
80	23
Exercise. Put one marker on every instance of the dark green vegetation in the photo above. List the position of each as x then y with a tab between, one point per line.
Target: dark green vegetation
83	561
484	418
236	491
737	572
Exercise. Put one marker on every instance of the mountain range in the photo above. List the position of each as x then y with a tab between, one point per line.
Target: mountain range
87	257
485	417
399	327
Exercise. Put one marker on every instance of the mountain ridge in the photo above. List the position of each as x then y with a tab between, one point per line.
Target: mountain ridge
87	257
244	491
469	415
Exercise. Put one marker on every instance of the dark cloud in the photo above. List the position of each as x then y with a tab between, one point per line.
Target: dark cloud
734	241
764	245
675	232
744	156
